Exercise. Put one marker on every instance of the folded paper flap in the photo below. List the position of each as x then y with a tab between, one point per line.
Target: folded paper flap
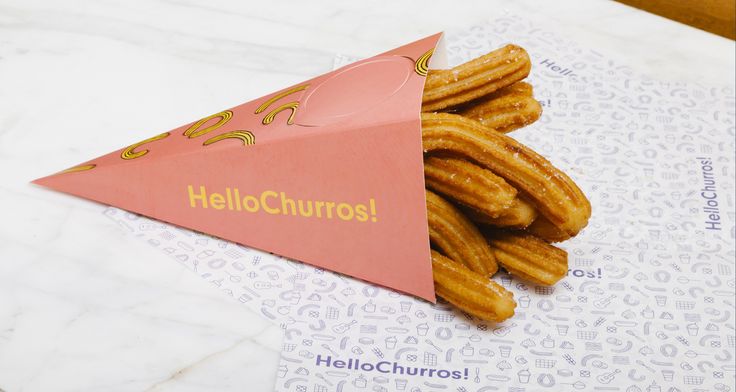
328	172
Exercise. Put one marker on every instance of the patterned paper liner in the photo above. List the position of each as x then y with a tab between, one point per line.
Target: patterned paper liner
648	303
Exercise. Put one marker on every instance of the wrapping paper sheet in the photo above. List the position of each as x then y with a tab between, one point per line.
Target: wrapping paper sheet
648	304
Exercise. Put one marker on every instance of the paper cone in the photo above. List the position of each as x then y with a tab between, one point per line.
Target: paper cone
328	172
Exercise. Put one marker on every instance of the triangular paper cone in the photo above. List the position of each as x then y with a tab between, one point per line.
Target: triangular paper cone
328	172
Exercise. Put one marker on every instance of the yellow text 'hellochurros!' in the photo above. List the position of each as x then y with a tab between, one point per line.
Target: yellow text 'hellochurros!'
278	203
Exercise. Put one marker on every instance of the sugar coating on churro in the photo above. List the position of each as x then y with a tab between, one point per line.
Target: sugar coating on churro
471	292
505	110
519	215
521	200
529	257
474	79
457	237
551	191
469	184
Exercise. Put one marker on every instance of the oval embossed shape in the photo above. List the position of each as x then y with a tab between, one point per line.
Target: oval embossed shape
355	89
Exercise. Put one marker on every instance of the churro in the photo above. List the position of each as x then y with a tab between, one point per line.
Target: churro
518	198
529	257
471	292
469	185
457	237
507	109
474	79
551	191
519	215
544	229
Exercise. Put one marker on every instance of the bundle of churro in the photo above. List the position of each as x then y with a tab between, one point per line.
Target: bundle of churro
491	201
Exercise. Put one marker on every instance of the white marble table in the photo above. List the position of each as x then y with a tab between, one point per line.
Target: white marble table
79	79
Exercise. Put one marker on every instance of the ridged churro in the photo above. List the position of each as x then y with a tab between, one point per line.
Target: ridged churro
507	109
471	292
474	79
469	184
519	215
518	199
551	191
457	237
529	257
544	229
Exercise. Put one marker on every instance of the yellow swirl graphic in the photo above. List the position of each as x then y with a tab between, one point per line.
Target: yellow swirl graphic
194	130
421	66
244	136
131	153
78	168
272	114
276	97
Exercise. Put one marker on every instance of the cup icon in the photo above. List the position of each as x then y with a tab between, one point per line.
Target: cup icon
505	351
654	387
422	329
524	376
360	382
562	329
391	342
